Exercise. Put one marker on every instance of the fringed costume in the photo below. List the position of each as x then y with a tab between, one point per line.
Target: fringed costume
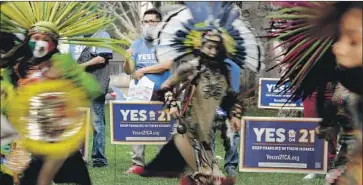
45	91
214	43
342	125
310	31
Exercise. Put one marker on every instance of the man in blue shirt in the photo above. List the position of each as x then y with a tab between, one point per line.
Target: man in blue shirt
143	53
96	60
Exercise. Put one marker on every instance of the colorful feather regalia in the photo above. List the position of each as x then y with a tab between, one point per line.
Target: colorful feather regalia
306	40
180	39
182	34
47	114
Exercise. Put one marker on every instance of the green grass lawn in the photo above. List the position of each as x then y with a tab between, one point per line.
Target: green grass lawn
119	158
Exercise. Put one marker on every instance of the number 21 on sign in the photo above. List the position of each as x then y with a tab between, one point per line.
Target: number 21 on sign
304	136
164	116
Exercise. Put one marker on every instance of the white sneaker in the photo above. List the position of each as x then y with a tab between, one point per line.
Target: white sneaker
310	176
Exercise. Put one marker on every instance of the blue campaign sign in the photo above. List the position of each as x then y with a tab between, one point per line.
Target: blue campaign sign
287	145
139	123
271	98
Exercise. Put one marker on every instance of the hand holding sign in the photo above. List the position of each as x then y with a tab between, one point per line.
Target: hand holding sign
139	74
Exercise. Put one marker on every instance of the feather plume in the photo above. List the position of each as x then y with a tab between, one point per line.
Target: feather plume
182	33
68	19
306	34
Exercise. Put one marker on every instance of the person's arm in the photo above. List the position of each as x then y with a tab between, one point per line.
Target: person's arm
49	170
94	61
128	65
102	54
158	68
236	113
185	72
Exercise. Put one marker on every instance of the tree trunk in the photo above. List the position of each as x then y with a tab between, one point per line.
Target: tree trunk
255	13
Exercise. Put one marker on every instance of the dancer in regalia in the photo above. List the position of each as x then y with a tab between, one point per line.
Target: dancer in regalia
343	125
324	39
45	90
215	42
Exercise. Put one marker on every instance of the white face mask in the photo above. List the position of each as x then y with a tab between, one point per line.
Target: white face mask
40	48
149	32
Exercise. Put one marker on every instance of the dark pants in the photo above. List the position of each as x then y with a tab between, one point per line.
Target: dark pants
231	159
99	132
73	170
6	179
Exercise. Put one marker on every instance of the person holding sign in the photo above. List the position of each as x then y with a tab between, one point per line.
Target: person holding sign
217	41
326	38
142	51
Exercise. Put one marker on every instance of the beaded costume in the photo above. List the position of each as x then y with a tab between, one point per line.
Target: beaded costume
344	104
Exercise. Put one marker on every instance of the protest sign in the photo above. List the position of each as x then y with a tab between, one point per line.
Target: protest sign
271	97
139	122
282	145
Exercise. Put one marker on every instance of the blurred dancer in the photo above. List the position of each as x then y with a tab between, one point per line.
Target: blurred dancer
50	88
336	49
218	42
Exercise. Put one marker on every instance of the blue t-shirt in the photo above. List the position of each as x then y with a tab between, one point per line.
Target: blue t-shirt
144	56
234	75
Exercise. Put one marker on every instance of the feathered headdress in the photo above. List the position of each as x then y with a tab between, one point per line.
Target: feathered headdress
186	28
59	129
307	31
63	21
